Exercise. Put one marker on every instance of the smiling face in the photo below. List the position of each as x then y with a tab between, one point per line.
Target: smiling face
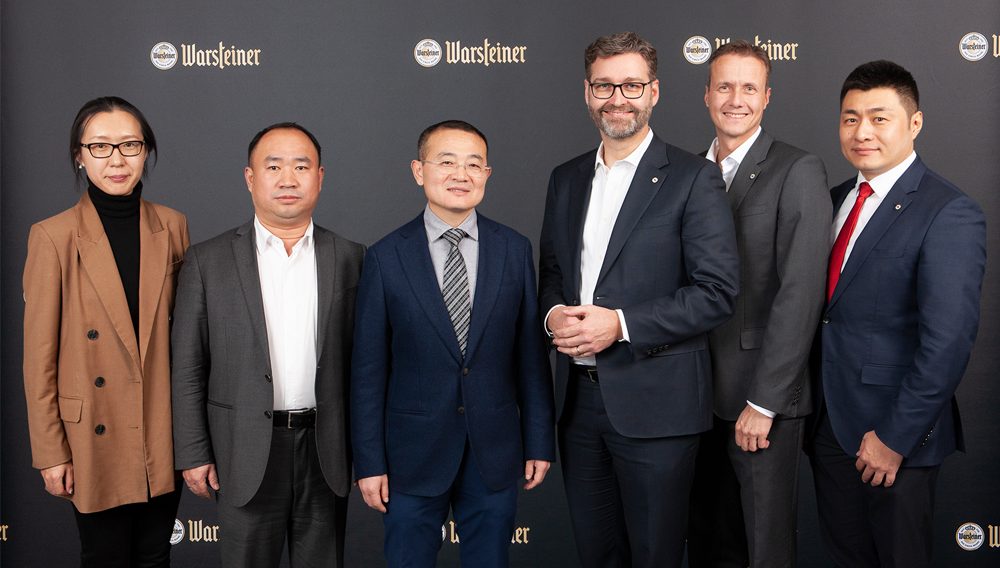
117	174
736	97
452	194
284	179
876	130
620	118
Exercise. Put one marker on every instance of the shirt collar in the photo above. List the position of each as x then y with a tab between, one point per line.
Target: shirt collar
435	227
632	159
881	184
739	153
265	237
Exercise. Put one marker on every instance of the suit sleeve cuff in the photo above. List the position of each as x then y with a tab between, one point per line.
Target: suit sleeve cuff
762	410
545	322
621	320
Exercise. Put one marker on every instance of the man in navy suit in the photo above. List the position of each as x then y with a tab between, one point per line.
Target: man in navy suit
451	393
903	291
638	262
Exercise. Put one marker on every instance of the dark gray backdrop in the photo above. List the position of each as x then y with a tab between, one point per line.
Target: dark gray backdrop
347	72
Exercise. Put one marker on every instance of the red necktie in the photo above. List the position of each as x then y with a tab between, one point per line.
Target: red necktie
840	246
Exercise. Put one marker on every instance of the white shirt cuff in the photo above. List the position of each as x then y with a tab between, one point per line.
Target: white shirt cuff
545	322
621	320
764	411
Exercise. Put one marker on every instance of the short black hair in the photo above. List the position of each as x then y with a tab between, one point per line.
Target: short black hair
884	74
284	126
95	107
447	125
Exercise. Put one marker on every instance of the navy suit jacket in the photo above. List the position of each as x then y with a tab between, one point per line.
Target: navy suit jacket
671	266
414	398
899	328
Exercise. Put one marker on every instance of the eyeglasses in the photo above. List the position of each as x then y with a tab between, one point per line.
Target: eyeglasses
474	169
104	150
607	90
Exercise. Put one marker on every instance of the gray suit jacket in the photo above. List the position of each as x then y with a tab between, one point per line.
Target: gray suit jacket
782	211
221	373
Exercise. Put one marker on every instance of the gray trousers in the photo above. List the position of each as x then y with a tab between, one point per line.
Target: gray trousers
294	500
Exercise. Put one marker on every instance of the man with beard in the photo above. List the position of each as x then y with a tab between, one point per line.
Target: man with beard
638	262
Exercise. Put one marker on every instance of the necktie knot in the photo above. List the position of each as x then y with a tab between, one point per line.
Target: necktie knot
454	236
865	191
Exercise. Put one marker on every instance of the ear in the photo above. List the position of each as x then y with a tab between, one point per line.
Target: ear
916	123
654	88
767	97
248	174
418	171
706	96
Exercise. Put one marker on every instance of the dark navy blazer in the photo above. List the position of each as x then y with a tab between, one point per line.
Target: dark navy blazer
899	328
414	398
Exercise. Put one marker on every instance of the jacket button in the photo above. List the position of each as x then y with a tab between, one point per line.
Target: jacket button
465	372
576	302
267	414
461	410
267	378
92	334
99	382
99	430
826	319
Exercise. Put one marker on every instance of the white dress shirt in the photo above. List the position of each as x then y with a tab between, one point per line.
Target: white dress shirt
732	162
881	185
289	290
729	165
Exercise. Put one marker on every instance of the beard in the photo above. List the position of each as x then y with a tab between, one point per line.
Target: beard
620	129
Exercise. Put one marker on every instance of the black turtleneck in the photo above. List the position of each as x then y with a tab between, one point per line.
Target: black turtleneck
120	217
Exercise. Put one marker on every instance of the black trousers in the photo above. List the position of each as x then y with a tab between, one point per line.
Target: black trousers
863	525
136	535
628	497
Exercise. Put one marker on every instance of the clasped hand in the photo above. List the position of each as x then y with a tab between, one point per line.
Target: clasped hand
581	331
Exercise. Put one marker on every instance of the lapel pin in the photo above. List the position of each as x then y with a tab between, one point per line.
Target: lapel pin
656	180
752	176
898	207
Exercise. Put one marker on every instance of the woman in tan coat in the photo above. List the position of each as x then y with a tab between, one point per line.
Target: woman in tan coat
99	290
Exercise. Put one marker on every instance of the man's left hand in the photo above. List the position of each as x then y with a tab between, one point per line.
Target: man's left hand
596	329
752	429
877	461
534	472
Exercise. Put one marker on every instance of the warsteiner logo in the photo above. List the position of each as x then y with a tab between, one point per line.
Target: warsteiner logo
973	46
969	536
163	55
427	52
697	50
178	533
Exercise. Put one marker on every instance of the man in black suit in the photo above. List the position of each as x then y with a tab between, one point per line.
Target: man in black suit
745	499
638	262
262	339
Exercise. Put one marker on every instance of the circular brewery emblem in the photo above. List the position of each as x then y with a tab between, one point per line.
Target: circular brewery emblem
163	55
178	534
444	533
427	52
973	46
697	50
969	536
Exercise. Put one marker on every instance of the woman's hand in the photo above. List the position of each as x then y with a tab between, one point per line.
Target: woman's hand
59	479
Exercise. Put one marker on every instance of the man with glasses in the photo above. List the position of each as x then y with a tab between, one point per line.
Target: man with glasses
638	262
451	393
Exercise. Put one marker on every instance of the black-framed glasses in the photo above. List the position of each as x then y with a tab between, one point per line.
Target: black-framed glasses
607	90
127	148
474	169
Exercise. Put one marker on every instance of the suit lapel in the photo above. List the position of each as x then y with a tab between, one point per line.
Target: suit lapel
748	171
326	275
649	177
99	262
245	253
581	186
415	258
489	274
154	248
884	217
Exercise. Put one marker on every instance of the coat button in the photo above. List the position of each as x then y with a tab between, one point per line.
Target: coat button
267	378
465	372
92	334
99	430
461	410
267	414
826	319
99	382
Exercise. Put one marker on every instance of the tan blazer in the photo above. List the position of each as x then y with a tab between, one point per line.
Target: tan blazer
95	395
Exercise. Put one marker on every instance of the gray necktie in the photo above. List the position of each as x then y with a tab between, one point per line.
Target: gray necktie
456	288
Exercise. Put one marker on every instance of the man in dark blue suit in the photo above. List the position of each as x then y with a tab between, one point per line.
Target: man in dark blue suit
638	262
903	291
451	393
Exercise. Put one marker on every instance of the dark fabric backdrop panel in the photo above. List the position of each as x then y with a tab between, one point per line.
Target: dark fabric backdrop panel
348	73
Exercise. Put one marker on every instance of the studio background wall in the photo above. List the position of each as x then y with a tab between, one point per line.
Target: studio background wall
349	72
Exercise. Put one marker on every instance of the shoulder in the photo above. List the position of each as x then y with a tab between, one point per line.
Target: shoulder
219	242
513	238
165	213
342	243
576	163
61	225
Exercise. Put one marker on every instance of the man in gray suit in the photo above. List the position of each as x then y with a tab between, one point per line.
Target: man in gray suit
262	339
782	211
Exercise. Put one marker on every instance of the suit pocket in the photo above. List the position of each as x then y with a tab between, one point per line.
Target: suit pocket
70	409
344	293
752	338
654	221
174	267
887	253
755	210
219	404
884	375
